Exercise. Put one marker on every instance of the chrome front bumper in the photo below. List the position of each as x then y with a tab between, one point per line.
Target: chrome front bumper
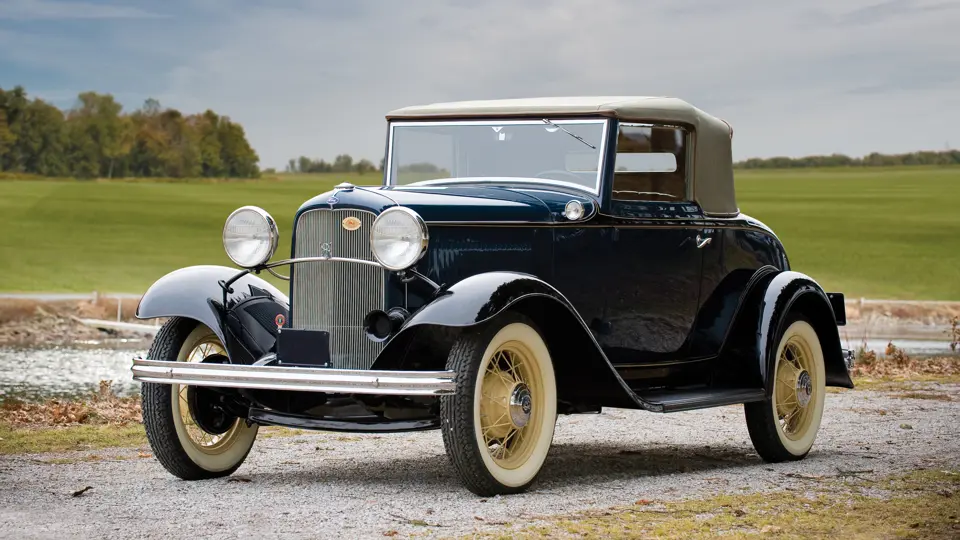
299	379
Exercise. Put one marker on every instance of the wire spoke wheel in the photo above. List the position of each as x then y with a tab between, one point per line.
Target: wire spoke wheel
498	428
794	389
785	427
189	429
511	405
202	439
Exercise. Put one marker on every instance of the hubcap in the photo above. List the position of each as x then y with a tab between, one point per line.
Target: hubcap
521	405
794	388
510	416
804	388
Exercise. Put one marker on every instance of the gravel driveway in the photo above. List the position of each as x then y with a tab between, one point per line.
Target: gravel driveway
341	485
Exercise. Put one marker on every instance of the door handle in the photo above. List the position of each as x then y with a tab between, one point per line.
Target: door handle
703	241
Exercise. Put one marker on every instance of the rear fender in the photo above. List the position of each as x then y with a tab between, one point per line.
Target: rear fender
795	292
247	325
584	374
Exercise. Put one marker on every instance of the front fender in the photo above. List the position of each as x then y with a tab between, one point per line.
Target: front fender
793	291
584	373
480	297
194	292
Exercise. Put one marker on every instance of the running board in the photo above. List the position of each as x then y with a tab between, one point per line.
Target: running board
689	399
296	379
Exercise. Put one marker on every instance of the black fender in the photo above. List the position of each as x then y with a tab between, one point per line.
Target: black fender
793	291
247	324
584	373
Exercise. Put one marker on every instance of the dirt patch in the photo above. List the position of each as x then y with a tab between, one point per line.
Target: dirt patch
37	323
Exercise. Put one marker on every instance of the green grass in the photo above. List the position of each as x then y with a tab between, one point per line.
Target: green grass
120	236
872	232
891	233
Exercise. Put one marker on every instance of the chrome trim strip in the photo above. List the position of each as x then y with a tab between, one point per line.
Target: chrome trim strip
299	379
297	260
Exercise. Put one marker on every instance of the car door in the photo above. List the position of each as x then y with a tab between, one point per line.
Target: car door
656	243
653	278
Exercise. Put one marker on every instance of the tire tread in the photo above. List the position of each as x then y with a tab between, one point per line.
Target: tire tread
456	412
762	425
157	411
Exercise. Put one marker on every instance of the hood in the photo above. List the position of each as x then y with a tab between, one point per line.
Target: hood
462	203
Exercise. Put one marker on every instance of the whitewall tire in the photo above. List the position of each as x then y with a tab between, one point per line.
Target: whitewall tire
498	428
171	412
785	427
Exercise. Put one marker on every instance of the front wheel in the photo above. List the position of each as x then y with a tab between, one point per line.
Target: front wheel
191	434
498	427
784	427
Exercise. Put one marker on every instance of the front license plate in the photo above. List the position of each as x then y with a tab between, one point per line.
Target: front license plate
304	347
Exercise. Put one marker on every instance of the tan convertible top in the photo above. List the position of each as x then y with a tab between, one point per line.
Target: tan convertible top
712	168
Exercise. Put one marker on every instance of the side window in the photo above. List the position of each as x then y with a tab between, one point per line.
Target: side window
651	163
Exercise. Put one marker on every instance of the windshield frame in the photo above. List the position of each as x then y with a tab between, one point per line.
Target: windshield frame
604	123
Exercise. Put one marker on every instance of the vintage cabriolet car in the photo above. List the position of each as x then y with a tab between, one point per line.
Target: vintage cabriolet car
522	259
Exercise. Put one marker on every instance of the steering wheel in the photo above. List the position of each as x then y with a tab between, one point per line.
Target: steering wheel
576	178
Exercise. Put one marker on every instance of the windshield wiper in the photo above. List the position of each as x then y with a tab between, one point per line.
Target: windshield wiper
575	136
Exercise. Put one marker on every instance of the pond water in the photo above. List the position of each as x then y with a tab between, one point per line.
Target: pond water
69	372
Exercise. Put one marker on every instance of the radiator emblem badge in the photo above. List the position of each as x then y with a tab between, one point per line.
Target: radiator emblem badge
279	320
351	223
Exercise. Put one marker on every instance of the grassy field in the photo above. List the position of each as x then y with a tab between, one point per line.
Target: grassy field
878	233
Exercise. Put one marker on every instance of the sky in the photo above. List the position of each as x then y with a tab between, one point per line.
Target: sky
317	78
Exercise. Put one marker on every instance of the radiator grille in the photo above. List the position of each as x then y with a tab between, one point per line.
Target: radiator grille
336	296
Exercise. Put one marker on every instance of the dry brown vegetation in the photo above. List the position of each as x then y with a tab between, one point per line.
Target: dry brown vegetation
102	407
897	365
954	334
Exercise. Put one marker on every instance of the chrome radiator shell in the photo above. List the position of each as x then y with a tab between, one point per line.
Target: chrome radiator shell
335	296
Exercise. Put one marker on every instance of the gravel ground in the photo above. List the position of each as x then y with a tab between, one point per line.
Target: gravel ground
337	485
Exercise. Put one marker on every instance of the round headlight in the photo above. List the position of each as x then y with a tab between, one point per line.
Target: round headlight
250	236
398	238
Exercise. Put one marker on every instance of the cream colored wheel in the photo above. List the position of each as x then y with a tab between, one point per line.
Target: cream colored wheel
499	428
214	452
787	425
190	430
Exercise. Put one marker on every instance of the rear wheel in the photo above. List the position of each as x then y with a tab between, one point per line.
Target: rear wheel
190	432
784	427
498	427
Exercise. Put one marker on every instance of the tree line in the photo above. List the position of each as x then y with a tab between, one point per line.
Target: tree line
875	159
341	164
345	163
95	138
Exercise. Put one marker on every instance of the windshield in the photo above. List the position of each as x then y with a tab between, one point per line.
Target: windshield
550	150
